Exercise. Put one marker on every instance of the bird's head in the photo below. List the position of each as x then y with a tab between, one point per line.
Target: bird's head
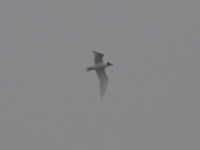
109	64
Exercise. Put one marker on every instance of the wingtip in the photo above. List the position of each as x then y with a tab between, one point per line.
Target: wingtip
102	95
97	53
88	68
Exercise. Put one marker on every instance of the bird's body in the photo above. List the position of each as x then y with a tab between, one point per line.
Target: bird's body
99	67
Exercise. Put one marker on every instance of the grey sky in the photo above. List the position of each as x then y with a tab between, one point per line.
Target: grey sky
48	101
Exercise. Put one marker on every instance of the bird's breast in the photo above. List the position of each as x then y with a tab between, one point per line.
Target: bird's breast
99	66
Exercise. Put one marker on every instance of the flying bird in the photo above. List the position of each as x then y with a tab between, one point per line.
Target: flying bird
99	66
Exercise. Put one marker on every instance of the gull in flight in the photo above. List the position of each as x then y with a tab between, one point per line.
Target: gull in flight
99	66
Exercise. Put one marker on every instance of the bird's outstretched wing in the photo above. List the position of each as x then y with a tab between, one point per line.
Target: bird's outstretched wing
103	80
98	57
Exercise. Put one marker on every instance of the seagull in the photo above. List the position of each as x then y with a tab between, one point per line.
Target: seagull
99	66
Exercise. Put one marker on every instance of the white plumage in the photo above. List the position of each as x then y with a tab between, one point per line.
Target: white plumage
99	66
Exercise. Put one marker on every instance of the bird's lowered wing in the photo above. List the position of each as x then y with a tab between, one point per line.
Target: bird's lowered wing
98	57
103	80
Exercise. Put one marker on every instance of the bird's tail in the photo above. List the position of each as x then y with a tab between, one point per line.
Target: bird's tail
89	68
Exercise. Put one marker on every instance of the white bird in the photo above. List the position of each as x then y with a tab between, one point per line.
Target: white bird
99	66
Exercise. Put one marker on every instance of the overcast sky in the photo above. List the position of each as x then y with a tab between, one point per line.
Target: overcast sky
49	102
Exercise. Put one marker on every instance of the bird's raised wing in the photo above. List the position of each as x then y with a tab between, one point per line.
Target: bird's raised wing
103	80
98	57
